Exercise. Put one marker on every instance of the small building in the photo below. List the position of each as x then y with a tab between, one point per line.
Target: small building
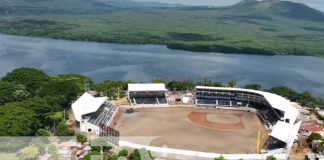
92	112
310	126
147	94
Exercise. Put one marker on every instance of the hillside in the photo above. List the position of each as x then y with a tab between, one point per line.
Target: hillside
58	4
54	3
251	26
276	7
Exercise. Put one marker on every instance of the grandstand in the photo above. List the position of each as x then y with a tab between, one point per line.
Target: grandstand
92	112
147	94
277	112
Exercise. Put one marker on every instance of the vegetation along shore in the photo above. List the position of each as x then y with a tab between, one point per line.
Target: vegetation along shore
280	28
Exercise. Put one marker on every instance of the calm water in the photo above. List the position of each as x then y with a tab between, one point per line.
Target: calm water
144	62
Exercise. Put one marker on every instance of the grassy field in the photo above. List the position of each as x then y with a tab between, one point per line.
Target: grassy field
217	30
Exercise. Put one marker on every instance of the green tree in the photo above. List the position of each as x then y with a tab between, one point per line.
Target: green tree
271	158
88	156
43	133
55	118
217	84
99	144
66	91
39	143
6	92
253	86
112	88
81	138
80	80
285	92
123	153
307	99
16	120
159	80
220	158
63	130
321	146
20	95
42	108
112	157
139	154
181	85
314	136
231	83
52	150
29	77
29	153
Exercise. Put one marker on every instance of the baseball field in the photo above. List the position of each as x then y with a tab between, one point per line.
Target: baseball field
192	128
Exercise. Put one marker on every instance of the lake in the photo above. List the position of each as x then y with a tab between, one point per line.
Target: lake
103	61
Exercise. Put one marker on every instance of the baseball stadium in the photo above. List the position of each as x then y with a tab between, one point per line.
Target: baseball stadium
210	122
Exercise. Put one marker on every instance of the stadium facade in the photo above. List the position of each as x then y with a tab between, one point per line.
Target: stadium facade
277	112
147	94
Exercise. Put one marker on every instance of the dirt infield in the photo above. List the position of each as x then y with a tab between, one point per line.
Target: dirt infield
201	118
209	130
116	119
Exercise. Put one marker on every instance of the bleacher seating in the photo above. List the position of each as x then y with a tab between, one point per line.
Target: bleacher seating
103	115
146	100
206	101
273	143
251	100
223	102
162	100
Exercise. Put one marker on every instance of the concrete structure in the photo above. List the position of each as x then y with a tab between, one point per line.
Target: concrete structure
147	94
278	113
92	112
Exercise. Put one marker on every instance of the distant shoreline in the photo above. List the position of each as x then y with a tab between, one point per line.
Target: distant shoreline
173	46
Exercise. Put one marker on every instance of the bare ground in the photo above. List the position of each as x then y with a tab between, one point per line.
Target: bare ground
174	129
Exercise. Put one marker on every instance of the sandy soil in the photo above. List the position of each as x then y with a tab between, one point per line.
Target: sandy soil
174	129
217	120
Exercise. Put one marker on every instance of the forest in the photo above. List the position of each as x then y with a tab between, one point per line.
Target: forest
246	28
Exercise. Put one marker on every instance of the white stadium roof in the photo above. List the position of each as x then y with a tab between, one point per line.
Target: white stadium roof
281	131
86	104
137	87
275	101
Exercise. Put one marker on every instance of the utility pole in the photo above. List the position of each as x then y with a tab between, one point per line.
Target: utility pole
118	92
54	126
64	115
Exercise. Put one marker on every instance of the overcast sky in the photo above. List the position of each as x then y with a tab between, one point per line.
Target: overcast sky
318	4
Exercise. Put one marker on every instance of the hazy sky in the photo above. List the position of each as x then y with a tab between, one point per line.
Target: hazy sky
318	4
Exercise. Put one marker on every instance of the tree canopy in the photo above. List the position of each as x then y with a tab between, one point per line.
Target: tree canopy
271	158
29	77
285	92
111	88
315	136
253	86
63	130
6	92
16	120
